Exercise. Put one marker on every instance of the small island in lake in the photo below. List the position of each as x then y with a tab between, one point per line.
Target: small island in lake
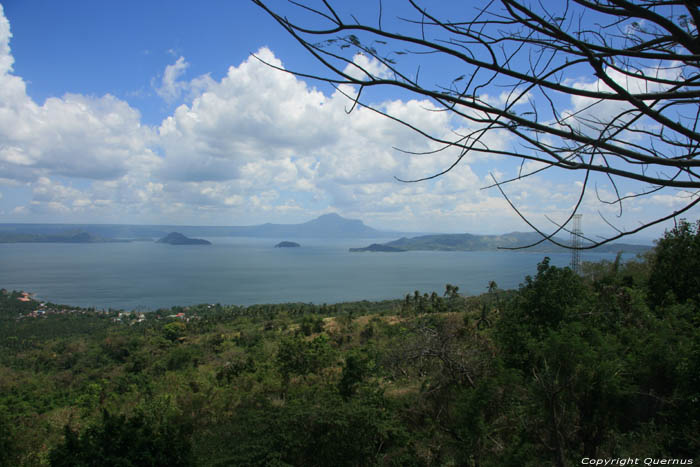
175	238
286	244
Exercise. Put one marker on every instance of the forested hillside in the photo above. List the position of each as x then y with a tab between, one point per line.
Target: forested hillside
469	242
601	365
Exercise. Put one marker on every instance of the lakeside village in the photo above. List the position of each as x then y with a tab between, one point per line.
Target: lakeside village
44	309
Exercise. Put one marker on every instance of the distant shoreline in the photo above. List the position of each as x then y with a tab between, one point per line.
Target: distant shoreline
151	276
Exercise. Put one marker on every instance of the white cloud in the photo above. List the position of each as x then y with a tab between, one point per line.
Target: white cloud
364	67
6	59
170	88
257	141
675	201
514	97
257	145
585	110
74	136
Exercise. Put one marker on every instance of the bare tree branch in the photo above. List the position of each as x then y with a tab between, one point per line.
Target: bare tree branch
632	66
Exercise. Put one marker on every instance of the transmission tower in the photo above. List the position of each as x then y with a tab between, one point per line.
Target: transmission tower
576	235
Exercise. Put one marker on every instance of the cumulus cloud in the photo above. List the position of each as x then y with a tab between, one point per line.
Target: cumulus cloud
585	110
257	140
511	98
261	129
6	59
74	136
257	145
365	67
170	88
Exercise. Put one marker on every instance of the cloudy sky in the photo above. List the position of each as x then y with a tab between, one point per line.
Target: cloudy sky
157	113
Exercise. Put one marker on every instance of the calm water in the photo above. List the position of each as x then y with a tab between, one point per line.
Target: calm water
246	271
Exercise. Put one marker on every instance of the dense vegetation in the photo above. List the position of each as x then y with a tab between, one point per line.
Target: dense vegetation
602	365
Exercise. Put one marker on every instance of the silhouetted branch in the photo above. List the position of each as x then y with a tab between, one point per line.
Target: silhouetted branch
643	57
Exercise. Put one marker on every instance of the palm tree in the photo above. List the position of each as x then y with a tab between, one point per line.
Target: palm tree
451	291
492	287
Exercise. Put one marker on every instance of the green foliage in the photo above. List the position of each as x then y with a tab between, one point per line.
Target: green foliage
297	356
314	429
8	449
174	330
310	325
120	441
566	367
482	415
675	265
181	357
117	347
552	297
358	366
236	365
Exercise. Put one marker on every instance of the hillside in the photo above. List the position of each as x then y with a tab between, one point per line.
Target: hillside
602	363
469	242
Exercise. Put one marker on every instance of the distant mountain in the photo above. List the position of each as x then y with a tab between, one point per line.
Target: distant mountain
325	226
469	242
175	238
66	237
102	231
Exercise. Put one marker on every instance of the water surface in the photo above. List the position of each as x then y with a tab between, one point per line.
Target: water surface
245	271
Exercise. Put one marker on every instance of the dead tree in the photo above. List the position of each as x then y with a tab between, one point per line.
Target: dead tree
636	122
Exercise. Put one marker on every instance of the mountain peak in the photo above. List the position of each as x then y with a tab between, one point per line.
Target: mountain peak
330	215
334	225
334	218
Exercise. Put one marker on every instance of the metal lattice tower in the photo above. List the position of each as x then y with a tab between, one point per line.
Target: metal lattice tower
576	235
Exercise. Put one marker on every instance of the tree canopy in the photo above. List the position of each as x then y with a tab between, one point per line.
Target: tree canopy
566	367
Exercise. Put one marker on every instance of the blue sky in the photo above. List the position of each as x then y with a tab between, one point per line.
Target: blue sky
152	112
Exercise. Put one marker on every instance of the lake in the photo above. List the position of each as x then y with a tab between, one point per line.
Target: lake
246	271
